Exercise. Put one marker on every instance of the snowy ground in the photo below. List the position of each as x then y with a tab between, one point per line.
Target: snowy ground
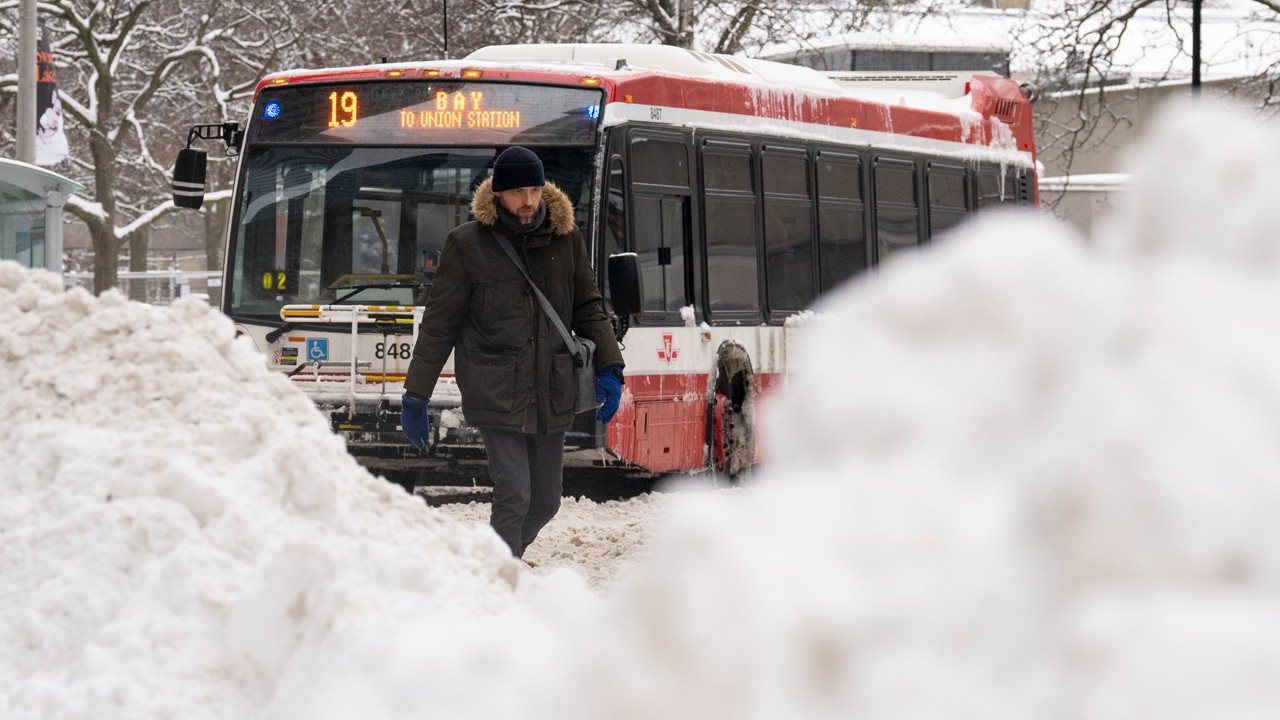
599	541
1022	475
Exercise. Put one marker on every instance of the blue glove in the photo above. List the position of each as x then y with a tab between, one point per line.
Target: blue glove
608	392
415	421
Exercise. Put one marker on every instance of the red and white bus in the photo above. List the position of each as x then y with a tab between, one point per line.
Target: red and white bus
746	189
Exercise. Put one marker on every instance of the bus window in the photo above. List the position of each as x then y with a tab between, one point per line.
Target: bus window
656	161
948	201
660	222
724	171
729	223
356	225
615	224
308	280
291	203
374	221
996	187
897	212
614	235
840	177
842	237
616	212
788	231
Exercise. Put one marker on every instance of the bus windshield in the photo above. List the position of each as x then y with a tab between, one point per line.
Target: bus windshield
360	225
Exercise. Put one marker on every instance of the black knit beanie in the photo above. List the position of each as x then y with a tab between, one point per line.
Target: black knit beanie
517	167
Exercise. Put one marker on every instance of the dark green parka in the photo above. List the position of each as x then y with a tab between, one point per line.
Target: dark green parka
511	364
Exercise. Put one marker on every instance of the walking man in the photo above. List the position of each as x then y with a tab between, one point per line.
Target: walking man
513	369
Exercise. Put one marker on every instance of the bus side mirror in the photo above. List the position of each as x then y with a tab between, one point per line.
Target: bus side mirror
624	284
188	178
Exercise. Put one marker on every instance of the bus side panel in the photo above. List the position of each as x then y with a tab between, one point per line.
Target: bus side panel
663	426
662	423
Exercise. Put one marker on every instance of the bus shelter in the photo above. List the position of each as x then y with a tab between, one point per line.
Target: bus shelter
31	202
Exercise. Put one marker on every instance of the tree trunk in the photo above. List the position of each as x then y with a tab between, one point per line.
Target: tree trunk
106	247
139	244
104	258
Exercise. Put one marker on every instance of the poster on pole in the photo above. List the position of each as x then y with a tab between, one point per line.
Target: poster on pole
51	140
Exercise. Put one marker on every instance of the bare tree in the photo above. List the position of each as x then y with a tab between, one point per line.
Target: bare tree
731	26
1086	52
131	74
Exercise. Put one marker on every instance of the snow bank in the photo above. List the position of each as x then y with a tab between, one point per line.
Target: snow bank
181	535
1017	476
1056	474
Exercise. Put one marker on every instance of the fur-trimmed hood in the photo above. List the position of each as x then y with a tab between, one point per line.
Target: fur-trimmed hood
559	209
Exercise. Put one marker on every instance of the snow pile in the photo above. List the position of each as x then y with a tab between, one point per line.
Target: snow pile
1057	470
180	533
1017	476
599	541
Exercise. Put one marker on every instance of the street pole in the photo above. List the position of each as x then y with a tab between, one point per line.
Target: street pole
1195	49
27	81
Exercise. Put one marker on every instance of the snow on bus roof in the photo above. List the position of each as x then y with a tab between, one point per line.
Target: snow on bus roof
674	60
663	58
946	92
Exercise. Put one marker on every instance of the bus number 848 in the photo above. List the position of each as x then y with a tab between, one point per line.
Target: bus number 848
401	351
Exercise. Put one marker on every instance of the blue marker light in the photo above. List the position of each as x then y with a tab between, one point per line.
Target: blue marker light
592	111
271	111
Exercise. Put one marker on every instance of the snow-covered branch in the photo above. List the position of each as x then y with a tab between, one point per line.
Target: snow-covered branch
150	216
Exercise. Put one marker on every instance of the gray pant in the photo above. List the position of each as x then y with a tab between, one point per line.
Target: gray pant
527	474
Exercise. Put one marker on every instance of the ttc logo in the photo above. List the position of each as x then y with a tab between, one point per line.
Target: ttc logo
668	351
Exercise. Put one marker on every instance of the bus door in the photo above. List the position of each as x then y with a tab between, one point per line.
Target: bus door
650	190
659	209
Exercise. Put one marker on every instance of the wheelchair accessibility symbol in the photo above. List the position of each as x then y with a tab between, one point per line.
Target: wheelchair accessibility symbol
317	349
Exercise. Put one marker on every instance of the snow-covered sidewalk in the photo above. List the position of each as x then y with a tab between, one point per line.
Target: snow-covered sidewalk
599	541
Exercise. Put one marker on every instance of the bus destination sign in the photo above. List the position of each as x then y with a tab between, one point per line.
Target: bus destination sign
410	113
458	111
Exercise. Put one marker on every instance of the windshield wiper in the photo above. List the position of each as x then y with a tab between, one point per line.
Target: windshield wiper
423	283
274	335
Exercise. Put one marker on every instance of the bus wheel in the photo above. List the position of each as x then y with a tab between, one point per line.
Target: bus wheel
732	412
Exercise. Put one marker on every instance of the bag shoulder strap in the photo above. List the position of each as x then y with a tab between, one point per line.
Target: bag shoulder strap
542	299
